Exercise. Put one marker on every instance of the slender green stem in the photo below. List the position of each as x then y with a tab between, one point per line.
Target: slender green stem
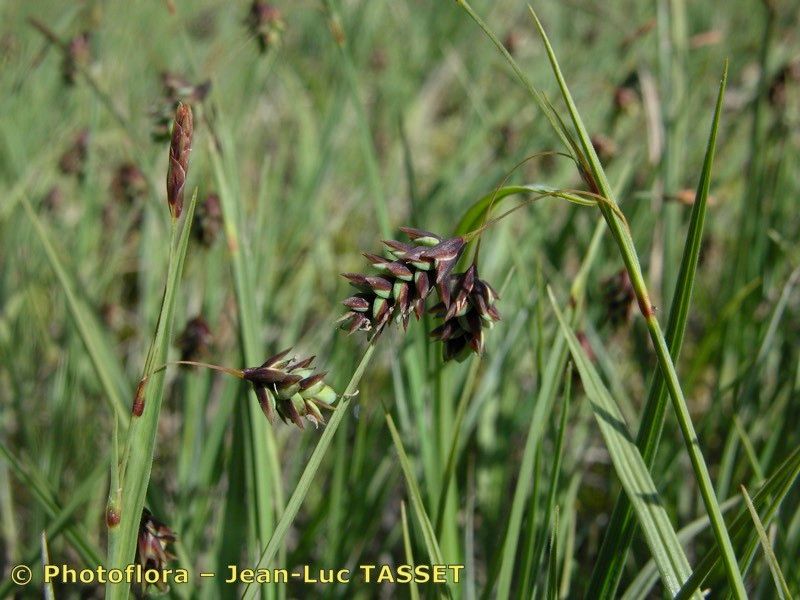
625	243
137	459
299	494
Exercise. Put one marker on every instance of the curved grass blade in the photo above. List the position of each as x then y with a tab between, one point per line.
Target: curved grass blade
596	178
108	370
412	590
619	535
768	498
631	469
774	567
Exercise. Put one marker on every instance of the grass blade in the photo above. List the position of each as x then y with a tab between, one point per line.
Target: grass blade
108	371
619	535
556	363
428	534
631	469
412	590
770	495
141	439
774	567
596	178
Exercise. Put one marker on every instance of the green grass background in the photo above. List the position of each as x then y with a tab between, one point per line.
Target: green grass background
324	150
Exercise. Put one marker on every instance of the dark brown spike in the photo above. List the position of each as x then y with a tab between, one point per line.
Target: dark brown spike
265	403
276	358
357	280
291	411
312	380
300	364
357	303
414	233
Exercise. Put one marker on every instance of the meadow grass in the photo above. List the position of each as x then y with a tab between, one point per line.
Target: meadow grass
633	441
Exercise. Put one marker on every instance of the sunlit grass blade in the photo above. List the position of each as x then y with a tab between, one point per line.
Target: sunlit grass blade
619	534
555	365
774	567
141	437
108	371
256	442
49	594
596	178
413	590
630	468
767	499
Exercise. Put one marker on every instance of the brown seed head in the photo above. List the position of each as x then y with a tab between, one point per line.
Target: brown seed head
179	149
151	547
471	310
73	161
112	516
138	399
290	388
266	24
195	338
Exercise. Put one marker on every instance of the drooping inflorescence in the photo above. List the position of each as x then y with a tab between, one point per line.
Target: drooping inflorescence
290	388
407	276
471	310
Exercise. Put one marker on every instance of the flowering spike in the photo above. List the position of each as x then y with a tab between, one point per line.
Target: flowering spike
290	388
179	149
470	310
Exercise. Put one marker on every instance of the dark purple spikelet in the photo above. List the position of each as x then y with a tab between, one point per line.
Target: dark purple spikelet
195	338
128	184
619	297
73	160
405	279
176	89
78	55
290	388
151	547
266	24
470	311
208	220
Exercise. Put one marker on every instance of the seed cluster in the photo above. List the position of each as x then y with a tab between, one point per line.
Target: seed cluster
471	310
151	547
179	149
290	387
265	22
406	278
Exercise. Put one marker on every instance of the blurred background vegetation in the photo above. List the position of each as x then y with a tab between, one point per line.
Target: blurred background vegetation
338	122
